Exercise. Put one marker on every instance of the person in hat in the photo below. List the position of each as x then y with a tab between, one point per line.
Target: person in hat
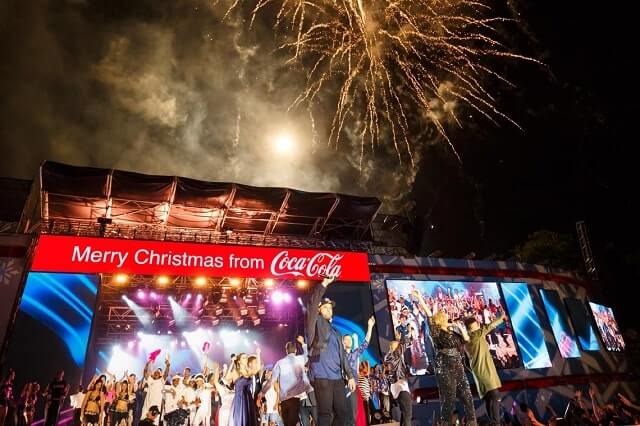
153	414
203	401
155	384
174	412
329	369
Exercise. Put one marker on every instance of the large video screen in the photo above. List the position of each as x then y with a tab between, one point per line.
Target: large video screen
460	300
565	339
52	327
526	325
608	327
582	325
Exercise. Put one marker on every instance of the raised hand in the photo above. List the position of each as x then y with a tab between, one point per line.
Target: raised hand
328	280
300	340
371	322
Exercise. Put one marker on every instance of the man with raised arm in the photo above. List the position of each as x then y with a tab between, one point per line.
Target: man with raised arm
482	365
329	369
155	385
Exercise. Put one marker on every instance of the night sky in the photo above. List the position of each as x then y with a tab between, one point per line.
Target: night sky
165	87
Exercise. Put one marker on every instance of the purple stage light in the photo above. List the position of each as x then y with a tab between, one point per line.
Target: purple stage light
277	297
286	297
131	344
141	295
154	296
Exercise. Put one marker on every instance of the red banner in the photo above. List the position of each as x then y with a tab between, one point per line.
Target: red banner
107	255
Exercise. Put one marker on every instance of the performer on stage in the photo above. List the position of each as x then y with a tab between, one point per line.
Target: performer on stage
244	409
203	402
29	398
328	361
155	383
395	364
76	403
484	370
120	415
353	357
289	373
174	412
56	392
93	405
6	395
448	341
226	396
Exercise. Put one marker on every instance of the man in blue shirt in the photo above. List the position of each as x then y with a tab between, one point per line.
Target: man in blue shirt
329	369
290	374
353	358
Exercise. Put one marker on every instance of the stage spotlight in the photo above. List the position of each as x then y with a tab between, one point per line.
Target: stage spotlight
268	283
130	344
200	281
239	322
153	295
218	310
241	306
261	309
124	297
286	297
162	280
302	284
183	344
139	311
277	297
141	295
215	321
235	281
120	279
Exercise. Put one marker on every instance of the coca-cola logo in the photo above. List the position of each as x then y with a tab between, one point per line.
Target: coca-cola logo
318	265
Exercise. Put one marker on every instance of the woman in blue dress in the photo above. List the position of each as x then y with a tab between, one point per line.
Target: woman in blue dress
244	408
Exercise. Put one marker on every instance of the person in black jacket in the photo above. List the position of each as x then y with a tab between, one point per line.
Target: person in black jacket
329	369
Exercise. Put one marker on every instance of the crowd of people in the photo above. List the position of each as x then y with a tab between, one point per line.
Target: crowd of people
608	327
319	381
458	305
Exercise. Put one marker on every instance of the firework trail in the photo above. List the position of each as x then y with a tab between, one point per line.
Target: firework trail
384	59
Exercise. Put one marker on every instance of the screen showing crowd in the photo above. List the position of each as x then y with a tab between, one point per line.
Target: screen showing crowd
608	327
460	300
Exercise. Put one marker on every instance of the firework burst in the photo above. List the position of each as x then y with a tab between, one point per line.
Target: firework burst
385	59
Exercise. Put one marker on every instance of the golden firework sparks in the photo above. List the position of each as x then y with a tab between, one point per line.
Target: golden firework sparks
390	56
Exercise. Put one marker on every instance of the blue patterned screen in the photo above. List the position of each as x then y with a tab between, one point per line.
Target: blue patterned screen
529	335
565	339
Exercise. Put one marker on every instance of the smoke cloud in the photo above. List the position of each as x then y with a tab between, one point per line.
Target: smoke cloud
171	88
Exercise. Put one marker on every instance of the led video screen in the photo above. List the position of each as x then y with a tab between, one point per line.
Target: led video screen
460	300
526	325
587	338
52	327
608	327
565	339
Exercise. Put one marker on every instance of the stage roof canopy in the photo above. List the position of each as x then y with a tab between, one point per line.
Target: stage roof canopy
71	193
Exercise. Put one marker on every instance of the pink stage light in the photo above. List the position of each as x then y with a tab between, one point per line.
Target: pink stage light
277	297
286	297
131	344
141	295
